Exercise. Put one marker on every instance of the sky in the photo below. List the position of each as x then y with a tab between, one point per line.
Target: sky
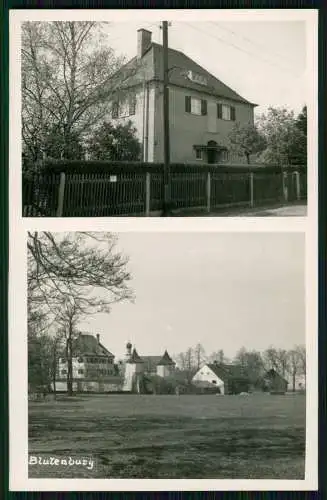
224	290
265	62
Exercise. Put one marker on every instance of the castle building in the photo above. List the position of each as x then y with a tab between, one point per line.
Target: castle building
137	366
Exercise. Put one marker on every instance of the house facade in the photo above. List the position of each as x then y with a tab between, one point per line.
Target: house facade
228	379
93	367
202	109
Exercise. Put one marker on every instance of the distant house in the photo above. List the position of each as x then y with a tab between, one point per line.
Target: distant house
202	109
229	379
93	367
274	383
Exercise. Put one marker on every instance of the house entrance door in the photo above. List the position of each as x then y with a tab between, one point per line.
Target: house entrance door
212	152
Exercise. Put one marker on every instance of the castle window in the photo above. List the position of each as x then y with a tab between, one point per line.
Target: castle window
80	372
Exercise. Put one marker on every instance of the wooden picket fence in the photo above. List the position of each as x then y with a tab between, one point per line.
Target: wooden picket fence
98	189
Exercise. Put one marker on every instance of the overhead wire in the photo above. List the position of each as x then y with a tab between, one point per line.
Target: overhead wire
239	48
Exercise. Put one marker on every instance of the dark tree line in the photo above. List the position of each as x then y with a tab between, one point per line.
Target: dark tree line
290	364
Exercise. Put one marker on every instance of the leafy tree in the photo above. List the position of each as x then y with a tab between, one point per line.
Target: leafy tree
71	275
246	140
67	83
114	142
284	138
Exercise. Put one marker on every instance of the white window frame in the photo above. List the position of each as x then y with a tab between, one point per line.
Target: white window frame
196	106
198	154
226	112
123	109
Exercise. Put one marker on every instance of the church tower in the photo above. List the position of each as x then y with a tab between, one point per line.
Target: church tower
166	366
133	367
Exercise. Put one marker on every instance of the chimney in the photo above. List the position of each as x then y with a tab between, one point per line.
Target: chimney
98	338
143	41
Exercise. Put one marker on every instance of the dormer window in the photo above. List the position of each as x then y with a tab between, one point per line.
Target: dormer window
197	78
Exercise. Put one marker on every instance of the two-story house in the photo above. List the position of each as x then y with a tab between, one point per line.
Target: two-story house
202	109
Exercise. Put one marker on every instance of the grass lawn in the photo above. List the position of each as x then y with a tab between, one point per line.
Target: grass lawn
146	436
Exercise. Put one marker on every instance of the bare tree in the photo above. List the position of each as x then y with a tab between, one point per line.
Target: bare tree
270	358
294	366
301	350
251	363
69	75
199	355
218	356
71	275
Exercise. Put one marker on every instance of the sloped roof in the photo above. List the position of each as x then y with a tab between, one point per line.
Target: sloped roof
151	362
166	360
227	372
150	67
179	63
87	344
135	358
273	374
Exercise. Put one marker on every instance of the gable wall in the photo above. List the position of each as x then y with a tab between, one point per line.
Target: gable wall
187	129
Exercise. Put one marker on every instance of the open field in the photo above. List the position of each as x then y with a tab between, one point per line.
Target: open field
145	436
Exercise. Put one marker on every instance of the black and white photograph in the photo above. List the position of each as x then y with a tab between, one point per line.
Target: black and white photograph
164	118
163	262
166	355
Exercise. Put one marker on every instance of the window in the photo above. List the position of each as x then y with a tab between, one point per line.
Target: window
225	112
124	108
198	154
196	78
114	110
80	360
214	381
80	372
63	372
195	106
63	360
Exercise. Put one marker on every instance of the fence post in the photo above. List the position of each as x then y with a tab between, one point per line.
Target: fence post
285	188
298	185
208	192
61	194
251	189
147	193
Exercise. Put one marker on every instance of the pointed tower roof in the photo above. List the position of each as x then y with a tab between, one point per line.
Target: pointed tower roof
166	360
135	358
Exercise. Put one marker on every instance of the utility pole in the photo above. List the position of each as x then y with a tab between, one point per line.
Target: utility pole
167	203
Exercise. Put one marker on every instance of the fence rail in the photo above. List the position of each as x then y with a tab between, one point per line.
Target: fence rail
85	189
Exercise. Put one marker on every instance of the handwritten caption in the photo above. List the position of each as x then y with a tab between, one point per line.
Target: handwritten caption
69	462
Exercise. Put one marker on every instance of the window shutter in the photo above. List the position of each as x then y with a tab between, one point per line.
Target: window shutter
187	104
114	110
203	107
219	110
232	113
